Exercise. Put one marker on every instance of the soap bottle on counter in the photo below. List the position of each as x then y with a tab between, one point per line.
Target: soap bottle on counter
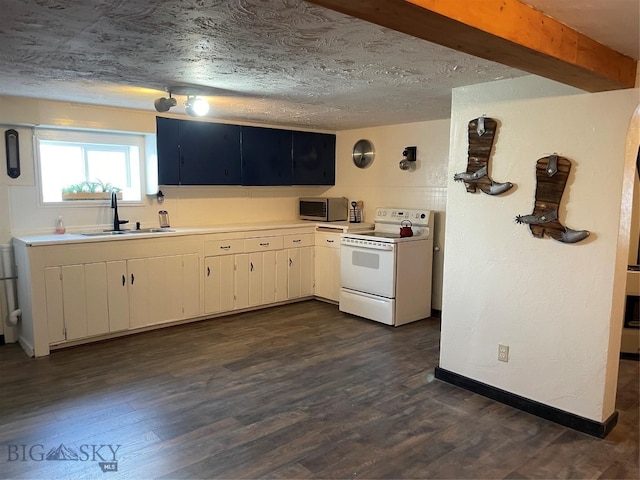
60	225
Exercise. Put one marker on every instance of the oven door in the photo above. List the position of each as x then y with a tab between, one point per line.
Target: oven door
368	267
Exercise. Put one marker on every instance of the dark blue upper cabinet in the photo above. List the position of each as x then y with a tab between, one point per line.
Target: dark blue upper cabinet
209	153
197	153
168	144
205	153
314	158
266	156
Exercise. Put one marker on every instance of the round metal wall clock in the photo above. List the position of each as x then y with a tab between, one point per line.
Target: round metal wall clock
363	153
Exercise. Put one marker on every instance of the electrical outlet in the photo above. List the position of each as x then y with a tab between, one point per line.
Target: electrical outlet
503	353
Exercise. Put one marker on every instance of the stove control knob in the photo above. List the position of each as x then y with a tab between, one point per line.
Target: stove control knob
422	216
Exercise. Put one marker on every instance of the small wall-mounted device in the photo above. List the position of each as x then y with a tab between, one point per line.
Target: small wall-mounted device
408	161
13	153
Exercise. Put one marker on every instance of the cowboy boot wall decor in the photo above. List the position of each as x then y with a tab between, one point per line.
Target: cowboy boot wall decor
552	173
482	132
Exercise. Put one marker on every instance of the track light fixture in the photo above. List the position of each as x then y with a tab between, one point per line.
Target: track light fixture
163	104
194	105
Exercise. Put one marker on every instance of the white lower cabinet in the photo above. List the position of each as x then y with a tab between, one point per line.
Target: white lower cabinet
92	299
300	283
219	295
165	289
327	265
300	264
190	285
86	300
85	290
264	270
225	275
66	303
74	302
173	288
282	275
268	272
256	279
96	298
138	281
54	304
241	281
118	296
264	273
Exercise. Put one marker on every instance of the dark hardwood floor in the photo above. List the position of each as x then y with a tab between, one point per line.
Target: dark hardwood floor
298	391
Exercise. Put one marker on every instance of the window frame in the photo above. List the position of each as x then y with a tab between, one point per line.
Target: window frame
90	137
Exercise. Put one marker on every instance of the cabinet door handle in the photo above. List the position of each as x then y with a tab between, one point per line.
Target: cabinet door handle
124	280
225	247
297	241
208	271
329	241
252	266
266	244
133	279
290	262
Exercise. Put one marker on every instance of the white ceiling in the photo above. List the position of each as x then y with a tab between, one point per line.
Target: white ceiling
284	62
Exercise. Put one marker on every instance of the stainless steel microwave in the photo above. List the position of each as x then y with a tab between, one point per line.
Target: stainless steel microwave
324	209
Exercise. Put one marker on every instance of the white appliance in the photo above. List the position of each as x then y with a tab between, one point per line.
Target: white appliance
384	276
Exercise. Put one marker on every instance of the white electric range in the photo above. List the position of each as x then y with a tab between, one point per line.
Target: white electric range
384	276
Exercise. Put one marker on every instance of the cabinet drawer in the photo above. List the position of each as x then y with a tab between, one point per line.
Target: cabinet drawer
331	240
262	244
223	247
301	240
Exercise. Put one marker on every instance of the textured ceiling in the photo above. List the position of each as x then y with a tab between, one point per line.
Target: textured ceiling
282	62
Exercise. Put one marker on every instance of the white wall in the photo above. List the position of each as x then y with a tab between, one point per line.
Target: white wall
557	306
383	184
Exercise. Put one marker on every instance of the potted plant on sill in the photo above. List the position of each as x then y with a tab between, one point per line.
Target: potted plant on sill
90	191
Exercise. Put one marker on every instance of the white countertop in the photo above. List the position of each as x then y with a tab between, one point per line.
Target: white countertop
71	238
344	226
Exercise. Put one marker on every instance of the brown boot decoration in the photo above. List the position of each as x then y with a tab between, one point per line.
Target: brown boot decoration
552	173
482	132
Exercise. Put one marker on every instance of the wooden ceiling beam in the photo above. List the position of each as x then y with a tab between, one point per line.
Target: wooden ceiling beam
504	31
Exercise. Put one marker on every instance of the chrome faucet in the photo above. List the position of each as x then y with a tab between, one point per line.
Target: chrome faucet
116	221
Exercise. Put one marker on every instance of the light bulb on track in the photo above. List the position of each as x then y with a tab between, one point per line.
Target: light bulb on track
196	106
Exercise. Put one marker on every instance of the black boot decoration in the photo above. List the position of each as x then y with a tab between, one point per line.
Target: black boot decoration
482	132
552	173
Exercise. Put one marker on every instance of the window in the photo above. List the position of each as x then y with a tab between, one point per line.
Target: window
77	166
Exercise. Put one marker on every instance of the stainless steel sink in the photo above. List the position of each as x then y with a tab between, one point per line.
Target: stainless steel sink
126	232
